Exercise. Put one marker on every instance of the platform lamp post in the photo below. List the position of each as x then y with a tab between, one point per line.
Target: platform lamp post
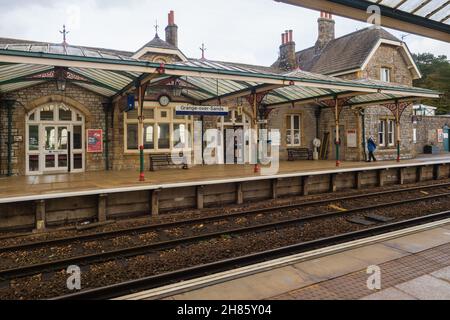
257	168
397	127
141	88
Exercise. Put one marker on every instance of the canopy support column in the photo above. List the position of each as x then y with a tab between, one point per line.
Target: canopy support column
255	99
397	110
141	87
336	115
337	104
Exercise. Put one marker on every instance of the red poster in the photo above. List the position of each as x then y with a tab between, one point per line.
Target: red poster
95	140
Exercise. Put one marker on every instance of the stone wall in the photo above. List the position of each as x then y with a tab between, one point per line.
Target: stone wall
388	56
407	151
349	120
277	120
88	103
427	132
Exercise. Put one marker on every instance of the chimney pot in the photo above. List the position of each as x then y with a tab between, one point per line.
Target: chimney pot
287	60
172	30
326	31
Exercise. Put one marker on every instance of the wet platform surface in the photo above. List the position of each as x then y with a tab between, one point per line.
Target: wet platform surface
415	266
119	181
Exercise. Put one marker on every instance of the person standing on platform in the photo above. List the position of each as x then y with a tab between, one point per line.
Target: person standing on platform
371	146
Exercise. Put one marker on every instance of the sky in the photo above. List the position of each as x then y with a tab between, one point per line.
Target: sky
247	31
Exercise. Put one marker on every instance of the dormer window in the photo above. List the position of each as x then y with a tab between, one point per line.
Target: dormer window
385	75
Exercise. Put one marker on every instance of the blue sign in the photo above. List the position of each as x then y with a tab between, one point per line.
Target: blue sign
131	103
201	111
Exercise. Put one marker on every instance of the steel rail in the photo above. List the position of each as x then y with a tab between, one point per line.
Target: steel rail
147	228
151	282
7	274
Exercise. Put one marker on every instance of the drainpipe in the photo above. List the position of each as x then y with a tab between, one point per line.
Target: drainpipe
363	119
106	109
317	114
9	108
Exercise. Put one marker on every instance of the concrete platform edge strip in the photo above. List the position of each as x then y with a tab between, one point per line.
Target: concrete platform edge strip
190	285
210	182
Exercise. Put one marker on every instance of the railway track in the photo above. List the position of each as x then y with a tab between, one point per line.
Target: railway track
55	265
133	286
183	222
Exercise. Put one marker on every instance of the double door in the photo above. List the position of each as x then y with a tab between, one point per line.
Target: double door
55	148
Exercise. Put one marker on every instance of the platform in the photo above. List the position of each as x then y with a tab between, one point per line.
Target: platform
412	266
29	188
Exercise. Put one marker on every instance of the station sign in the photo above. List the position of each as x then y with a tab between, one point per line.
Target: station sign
201	111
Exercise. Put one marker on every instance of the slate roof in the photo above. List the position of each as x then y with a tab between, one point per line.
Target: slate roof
344	53
157	42
13	42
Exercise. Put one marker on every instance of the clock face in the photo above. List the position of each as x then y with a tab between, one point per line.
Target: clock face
164	101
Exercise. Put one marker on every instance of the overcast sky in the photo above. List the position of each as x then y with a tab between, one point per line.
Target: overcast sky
245	31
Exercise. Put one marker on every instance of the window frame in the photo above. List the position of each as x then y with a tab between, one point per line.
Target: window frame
381	132
390	134
291	131
157	119
385	71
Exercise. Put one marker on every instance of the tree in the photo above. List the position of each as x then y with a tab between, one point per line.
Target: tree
435	76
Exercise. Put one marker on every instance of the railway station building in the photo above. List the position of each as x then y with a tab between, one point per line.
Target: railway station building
67	108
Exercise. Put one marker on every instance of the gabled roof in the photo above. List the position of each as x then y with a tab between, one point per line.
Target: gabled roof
157	42
158	45
345	53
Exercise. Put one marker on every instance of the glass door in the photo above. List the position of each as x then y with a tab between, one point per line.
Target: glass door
56	148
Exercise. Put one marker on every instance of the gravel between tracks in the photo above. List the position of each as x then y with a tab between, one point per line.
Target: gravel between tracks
101	274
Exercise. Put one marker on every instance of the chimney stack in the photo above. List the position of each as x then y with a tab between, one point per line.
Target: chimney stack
172	30
326	31
288	58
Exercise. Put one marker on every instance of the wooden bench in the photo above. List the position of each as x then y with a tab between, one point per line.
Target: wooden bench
299	154
167	160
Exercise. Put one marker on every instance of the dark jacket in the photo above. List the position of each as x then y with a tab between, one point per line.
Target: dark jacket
371	146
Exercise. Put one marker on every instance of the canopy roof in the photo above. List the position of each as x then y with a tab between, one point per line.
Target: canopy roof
203	81
429	18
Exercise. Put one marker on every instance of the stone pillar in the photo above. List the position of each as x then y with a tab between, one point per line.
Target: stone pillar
101	211
358	178
333	186
239	193
401	176
155	202
419	173
436	171
305	189
200	197
40	216
381	177
274	188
